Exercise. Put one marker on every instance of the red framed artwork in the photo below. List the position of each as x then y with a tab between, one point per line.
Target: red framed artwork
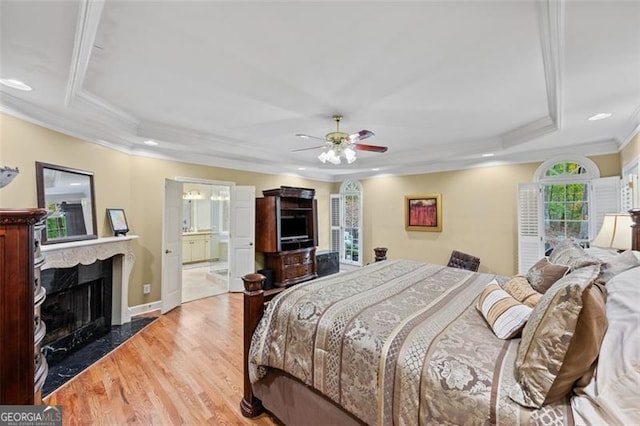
423	212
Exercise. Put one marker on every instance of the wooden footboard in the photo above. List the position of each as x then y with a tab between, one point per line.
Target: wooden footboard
254	299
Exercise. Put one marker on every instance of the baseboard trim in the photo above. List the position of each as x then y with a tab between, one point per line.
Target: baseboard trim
145	308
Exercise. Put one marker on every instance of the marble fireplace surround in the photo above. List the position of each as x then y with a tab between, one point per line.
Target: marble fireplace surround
86	252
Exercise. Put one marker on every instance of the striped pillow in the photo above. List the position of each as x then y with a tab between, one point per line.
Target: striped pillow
505	315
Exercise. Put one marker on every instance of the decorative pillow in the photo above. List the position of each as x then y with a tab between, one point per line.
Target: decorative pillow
561	340
544	274
569	253
505	315
618	264
519	288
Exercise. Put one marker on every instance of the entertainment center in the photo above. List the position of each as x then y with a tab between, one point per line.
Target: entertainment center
287	233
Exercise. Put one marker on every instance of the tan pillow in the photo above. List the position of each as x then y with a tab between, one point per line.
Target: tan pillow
504	314
569	253
581	357
544	274
520	289
547	340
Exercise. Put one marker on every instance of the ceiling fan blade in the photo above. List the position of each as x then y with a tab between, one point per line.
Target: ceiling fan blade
303	136
372	148
362	134
308	149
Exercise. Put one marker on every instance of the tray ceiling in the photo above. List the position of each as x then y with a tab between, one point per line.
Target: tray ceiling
229	84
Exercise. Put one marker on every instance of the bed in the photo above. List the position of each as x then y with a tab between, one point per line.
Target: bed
404	342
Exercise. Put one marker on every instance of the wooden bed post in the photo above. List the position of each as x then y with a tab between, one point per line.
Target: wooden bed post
250	406
635	229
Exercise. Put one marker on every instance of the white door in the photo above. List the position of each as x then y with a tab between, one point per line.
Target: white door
242	235
171	292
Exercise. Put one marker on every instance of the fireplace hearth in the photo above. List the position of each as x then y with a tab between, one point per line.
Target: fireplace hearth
78	307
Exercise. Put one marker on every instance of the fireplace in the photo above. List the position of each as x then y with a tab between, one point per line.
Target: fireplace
78	307
86	252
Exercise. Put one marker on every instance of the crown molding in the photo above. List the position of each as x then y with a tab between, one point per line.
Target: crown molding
118	117
529	131
633	128
82	127
607	146
551	24
89	14
224	145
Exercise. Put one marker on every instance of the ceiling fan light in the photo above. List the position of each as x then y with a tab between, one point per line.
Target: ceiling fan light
323	157
332	157
350	155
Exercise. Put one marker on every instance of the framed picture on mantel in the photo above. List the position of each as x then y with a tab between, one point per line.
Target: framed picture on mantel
118	221
423	212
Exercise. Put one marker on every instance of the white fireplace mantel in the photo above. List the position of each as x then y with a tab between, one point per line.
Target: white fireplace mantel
86	252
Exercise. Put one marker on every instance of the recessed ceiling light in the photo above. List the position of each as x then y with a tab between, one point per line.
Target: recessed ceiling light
16	84
300	135
600	116
376	169
302	168
488	154
151	143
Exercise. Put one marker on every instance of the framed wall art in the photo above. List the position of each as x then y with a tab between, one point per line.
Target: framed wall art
118	221
423	212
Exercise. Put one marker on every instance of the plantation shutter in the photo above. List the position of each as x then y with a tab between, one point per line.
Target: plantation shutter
530	247
605	198
335	222
630	193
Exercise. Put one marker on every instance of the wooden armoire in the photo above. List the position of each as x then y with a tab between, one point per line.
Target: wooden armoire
287	233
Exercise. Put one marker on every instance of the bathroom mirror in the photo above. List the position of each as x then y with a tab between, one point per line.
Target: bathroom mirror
68	196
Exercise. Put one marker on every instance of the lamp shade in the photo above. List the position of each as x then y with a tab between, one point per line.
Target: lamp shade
615	232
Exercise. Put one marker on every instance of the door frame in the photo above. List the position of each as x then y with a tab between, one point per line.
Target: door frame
183	180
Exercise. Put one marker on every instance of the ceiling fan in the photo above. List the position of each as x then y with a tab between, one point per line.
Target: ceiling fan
337	143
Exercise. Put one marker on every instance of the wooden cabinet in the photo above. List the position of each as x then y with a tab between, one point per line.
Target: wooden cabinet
287	233
22	366
286	219
292	266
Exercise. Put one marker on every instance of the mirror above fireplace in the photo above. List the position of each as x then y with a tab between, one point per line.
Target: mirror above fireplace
68	196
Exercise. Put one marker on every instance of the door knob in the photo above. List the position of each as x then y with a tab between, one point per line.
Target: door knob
167	251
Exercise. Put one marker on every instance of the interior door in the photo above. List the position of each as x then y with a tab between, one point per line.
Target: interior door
242	235
171	291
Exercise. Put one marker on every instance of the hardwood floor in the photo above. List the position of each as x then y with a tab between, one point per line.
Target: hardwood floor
184	368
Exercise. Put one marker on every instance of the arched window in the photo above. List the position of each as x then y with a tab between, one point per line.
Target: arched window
567	199
565	184
346	222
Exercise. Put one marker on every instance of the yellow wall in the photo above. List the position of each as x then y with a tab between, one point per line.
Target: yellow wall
124	181
479	205
631	151
479	214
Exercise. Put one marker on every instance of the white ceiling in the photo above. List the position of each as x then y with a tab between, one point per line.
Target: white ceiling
230	83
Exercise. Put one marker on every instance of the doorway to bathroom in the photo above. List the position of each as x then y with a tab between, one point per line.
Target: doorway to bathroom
205	240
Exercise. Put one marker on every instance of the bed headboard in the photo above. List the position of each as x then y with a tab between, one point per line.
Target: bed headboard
635	229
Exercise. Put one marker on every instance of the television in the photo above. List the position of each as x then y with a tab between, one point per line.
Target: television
293	228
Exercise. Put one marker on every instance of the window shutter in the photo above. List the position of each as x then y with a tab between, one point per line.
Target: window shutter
605	198
630	193
335	222
530	248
